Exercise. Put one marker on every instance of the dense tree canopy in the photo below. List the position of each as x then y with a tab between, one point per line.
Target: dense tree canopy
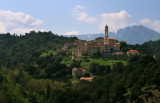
31	72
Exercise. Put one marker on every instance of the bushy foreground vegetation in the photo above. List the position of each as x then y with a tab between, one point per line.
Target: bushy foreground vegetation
138	82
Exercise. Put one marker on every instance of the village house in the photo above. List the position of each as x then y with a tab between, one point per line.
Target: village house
79	42
78	72
79	51
132	52
65	47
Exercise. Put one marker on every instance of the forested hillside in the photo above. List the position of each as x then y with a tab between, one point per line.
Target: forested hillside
151	47
34	52
33	70
16	50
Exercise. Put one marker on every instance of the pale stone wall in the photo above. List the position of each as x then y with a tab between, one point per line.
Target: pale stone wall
77	72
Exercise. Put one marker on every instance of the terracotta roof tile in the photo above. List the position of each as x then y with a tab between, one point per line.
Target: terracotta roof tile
132	50
86	78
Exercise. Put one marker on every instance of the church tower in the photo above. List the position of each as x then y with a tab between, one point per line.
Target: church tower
106	41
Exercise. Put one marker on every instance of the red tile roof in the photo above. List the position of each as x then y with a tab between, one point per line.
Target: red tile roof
114	43
132	50
86	78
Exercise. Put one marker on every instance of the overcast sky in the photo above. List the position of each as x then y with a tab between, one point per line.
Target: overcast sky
77	16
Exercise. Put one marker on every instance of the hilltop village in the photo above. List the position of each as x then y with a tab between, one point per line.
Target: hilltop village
103	45
99	45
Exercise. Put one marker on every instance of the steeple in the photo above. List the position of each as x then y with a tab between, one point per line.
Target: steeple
106	41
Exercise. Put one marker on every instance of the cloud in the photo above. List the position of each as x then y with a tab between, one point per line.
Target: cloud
17	22
20	30
83	16
80	7
115	21
2	27
155	25
71	33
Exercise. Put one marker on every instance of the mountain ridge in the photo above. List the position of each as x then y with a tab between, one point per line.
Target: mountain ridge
140	34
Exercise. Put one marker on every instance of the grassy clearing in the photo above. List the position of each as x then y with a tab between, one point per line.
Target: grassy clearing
102	62
86	61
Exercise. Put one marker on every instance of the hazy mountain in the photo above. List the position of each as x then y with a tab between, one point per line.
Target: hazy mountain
86	36
133	35
136	34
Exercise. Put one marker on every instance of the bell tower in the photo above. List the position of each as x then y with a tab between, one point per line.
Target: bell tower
106	41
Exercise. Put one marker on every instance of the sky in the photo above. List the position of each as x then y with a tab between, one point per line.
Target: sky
66	17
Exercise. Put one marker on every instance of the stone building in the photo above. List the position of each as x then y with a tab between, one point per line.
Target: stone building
79	51
101	45
78	72
79	42
132	52
65	47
